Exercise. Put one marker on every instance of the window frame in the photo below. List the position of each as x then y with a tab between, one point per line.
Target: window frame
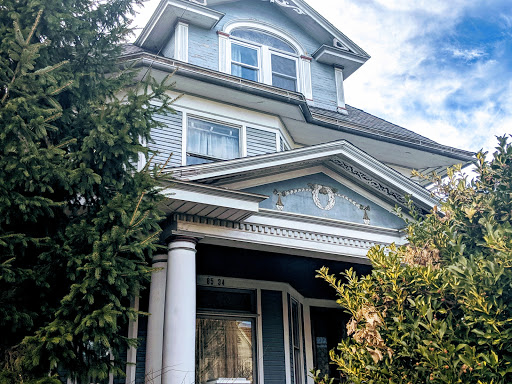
188	153
286	56
256	47
265	57
223	314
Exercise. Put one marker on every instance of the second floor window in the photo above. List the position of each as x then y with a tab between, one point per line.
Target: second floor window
259	56
208	142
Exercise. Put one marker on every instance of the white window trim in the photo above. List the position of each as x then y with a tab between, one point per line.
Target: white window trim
303	67
285	289
181	42
260	52
241	134
340	90
231	122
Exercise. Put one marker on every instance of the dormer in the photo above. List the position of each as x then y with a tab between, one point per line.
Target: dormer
285	44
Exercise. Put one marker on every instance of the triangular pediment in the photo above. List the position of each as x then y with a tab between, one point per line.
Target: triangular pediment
326	196
337	165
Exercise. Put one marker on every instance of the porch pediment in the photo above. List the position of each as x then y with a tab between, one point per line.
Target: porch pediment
320	195
350	171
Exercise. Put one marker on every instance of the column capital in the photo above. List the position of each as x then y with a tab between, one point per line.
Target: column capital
159	258
182	242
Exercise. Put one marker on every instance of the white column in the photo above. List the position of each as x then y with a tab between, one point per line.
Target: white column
340	90
155	335
179	358
181	42
131	356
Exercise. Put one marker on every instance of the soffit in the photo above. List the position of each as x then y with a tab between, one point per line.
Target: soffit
168	12
209	202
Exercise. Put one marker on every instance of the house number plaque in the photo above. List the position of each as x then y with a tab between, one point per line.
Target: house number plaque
214	281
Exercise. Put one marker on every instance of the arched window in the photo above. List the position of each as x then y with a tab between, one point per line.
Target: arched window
262	53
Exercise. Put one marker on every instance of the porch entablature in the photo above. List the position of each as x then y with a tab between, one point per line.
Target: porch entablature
294	235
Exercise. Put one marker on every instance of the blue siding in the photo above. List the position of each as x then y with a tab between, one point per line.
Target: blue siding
203	47
260	142
204	44
273	337
167	140
168	50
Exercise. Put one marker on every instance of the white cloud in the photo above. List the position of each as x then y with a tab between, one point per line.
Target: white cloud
468	54
409	82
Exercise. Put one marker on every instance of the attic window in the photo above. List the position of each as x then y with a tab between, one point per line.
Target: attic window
260	52
259	56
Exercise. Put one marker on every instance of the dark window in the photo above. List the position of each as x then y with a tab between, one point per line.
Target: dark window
296	332
328	326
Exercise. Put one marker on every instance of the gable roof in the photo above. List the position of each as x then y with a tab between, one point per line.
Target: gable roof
340	156
335	48
365	119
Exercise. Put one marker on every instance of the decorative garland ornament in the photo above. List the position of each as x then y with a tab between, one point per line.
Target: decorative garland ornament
286	4
317	190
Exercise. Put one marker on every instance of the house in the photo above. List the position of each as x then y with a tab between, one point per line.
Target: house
276	176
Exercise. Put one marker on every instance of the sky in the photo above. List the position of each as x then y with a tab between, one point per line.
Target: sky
441	68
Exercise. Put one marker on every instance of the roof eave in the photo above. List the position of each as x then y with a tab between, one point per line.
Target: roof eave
147	59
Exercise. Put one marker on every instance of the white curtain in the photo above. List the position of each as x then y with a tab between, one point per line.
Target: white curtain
213	140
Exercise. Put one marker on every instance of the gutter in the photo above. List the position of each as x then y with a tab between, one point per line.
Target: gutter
146	59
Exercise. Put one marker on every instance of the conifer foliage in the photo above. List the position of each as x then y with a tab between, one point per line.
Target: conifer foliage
438	310
77	221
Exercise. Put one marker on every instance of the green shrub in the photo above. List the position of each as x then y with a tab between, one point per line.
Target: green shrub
438	310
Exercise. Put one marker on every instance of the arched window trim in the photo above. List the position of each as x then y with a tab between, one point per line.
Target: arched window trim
303	61
267	28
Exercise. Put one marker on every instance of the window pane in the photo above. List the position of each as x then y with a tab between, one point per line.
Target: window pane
194	160
224	349
211	140
226	300
243	72
283	82
284	66
263	38
244	55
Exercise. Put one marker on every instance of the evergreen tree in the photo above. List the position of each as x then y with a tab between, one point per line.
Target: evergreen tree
438	310
78	223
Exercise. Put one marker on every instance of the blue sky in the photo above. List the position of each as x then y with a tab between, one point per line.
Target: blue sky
440	68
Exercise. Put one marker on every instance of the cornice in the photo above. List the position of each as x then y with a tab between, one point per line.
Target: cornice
215	191
276	236
333	223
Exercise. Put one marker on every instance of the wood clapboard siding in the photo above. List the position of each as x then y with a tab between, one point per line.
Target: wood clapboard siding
273	337
260	142
167	139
